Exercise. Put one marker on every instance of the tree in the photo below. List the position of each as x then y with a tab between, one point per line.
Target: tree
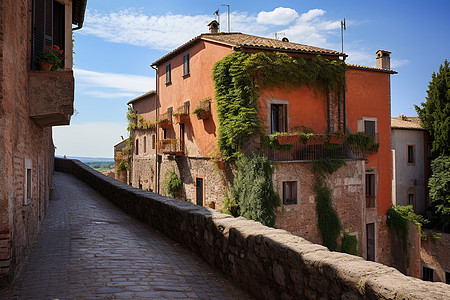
253	189
435	112
439	186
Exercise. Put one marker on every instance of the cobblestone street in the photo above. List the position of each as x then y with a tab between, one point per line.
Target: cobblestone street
89	249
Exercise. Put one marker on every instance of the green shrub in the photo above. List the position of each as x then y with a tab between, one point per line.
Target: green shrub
173	184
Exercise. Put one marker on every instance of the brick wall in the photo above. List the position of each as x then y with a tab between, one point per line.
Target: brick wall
270	263
22	142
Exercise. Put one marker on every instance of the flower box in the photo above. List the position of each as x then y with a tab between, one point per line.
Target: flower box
287	139
315	140
165	124
181	118
336	139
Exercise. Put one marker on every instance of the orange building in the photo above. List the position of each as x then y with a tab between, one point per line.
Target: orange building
187	143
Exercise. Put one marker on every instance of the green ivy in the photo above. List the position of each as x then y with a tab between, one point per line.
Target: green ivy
348	244
328	220
363	141
173	184
238	78
253	192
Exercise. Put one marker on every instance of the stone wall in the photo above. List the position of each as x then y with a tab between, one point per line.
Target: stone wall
270	263
434	254
348	199
23	143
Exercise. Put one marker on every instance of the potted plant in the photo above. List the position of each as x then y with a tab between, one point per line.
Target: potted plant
164	123
286	138
51	58
337	137
180	118
203	111
311	139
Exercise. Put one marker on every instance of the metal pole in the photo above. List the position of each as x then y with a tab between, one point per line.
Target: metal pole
228	16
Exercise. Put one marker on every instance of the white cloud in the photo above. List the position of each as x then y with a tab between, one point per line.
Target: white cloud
278	16
312	28
88	139
398	63
131	26
112	85
311	15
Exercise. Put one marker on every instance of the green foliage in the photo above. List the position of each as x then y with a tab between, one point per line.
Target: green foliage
398	218
230	207
52	54
173	184
439	185
123	166
435	112
327	218
239	76
101	166
272	142
348	244
136	121
253	190
363	141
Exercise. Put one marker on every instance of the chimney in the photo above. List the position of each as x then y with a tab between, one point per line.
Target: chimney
383	59
213	27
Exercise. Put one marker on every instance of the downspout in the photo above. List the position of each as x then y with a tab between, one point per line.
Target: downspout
157	131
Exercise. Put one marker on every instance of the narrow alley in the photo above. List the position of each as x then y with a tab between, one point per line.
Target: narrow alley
89	249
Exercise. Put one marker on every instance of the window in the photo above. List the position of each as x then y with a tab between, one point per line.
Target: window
289	192
137	146
168	73
370	191
429	153
164	133
48	27
278	114
28	186
145	144
411	154
427	274
186	65
447	277
153	142
370	235
411	199
369	128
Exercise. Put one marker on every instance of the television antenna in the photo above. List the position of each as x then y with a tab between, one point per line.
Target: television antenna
343	27
228	15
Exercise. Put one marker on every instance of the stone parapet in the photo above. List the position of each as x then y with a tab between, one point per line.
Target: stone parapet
51	96
270	263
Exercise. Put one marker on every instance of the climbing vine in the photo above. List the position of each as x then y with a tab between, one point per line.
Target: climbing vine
238	78
253	196
327	218
173	184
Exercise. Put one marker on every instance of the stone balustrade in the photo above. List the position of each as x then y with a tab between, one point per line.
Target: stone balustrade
270	263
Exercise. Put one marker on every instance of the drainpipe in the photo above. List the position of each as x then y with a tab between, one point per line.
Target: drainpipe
157	131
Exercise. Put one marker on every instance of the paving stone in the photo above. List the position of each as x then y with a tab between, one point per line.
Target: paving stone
89	249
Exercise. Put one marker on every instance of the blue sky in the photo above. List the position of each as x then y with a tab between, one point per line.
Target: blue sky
120	39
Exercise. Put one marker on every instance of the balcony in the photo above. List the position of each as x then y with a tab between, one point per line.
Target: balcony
304	152
51	97
165	120
171	147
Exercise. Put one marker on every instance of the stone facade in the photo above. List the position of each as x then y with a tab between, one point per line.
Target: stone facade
270	263
347	196
26	146
434	254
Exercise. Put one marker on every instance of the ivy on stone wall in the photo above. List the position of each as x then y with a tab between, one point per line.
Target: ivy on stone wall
238	78
253	196
328	220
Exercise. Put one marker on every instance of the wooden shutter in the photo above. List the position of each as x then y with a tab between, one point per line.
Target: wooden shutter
42	31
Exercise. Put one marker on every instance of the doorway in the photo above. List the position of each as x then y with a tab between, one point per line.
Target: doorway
199	191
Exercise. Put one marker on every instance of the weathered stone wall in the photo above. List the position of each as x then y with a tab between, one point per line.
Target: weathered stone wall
216	179
271	263
434	254
406	258
347	198
23	143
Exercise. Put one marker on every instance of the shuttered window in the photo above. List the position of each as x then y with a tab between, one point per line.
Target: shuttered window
48	27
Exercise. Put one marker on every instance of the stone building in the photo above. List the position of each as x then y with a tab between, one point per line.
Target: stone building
188	144
31	102
411	155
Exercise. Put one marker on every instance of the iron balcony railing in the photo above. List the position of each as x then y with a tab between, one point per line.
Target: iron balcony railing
171	146
302	152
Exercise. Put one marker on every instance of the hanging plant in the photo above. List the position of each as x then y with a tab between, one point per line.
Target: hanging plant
203	111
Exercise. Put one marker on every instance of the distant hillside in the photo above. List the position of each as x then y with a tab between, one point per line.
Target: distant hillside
89	159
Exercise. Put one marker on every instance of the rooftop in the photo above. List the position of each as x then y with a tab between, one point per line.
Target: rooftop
149	93
407	123
245	41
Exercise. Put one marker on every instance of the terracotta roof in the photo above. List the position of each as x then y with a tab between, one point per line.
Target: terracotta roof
246	41
407	123
142	96
359	67
78	10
